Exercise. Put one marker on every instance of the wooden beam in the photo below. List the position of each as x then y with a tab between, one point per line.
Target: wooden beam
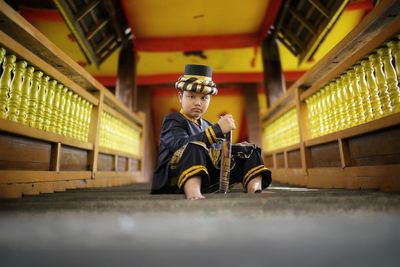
24	130
11	176
273	76
126	89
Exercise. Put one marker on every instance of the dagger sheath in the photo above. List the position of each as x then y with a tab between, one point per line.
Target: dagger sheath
225	163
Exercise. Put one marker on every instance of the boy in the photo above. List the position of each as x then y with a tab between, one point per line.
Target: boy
189	157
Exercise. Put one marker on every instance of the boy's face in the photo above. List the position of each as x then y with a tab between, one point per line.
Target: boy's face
193	104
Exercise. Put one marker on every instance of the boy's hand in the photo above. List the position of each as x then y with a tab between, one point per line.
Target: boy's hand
227	123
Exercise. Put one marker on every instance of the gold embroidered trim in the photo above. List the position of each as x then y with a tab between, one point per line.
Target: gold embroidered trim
177	156
189	173
209	137
213	134
252	172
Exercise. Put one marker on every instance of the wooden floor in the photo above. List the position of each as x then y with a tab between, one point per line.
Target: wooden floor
126	226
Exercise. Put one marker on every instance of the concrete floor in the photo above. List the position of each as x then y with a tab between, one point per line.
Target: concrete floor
126	226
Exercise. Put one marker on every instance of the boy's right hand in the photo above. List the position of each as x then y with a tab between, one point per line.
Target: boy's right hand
227	123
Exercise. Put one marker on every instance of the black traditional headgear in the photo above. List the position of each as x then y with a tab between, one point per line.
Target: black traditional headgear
197	78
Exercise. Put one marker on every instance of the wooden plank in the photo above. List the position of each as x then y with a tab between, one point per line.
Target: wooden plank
381	123
294	176
361	171
13	47
384	177
73	159
367	177
378	171
105	162
12	176
294	159
30	189
325	155
11	191
344	152
24	130
280	160
21	153
381	147
378	26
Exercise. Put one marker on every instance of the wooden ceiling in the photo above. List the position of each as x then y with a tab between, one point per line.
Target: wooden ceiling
169	34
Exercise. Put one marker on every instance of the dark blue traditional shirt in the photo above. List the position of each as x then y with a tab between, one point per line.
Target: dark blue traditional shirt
178	130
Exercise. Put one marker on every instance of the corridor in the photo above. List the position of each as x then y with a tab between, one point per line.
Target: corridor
126	226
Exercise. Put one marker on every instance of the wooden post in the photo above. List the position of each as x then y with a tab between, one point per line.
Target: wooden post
302	119
344	150
253	115
149	152
285	158
94	130
115	163
128	165
273	77
126	89
55	157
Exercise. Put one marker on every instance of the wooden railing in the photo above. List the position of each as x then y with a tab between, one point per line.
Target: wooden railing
348	112
59	128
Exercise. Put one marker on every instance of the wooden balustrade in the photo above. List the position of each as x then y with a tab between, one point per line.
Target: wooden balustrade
59	128
347	108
